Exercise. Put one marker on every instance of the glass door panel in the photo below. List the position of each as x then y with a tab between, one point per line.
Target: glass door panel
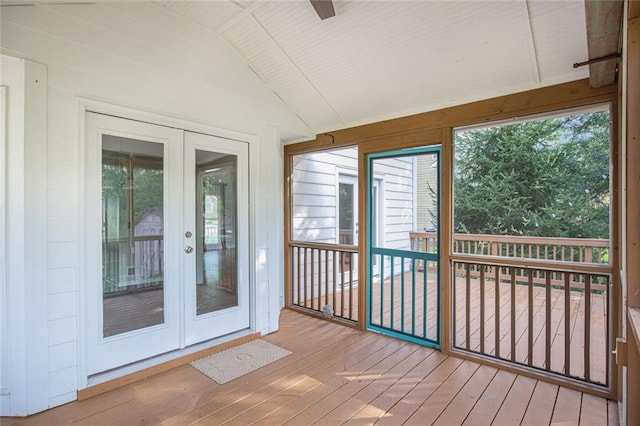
216	231
215	237
132	236
132	289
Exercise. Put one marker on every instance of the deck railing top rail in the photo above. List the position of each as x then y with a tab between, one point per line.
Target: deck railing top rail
585	242
580	250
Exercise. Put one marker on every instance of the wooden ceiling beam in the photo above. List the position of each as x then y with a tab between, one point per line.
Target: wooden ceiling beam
604	21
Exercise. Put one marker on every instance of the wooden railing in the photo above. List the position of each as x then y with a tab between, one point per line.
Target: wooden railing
523	250
540	303
126	267
324	279
560	327
581	250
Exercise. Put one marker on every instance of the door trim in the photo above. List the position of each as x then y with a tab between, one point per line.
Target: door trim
85	105
197	327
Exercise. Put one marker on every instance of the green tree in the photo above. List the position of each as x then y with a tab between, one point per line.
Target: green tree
122	174
540	178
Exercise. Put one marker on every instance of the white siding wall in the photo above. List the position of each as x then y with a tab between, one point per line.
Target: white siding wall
141	56
315	193
398	203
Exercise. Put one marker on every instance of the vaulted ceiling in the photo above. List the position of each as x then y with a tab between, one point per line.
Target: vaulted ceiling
376	60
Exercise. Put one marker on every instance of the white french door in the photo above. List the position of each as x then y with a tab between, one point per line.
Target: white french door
166	234
216	237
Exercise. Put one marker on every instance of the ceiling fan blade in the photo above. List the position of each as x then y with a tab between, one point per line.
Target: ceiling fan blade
324	8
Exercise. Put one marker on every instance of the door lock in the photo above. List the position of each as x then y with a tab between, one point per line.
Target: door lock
188	249
188	234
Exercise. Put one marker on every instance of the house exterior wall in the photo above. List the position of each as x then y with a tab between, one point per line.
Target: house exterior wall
398	198
315	186
315	183
315	193
138	56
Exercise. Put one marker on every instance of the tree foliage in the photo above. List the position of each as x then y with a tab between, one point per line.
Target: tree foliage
145	184
540	178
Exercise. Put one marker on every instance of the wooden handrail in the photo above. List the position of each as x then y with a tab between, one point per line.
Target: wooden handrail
325	246
583	242
578	250
551	266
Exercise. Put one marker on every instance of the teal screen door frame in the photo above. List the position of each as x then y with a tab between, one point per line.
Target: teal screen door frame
403	262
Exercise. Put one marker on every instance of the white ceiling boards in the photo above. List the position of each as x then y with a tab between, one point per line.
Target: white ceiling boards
381	59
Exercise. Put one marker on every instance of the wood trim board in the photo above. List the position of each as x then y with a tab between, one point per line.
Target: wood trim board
142	374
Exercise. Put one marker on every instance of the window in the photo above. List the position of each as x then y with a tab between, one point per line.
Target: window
348	210
324	196
543	182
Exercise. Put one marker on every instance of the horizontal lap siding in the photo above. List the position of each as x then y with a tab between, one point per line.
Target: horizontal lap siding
314	193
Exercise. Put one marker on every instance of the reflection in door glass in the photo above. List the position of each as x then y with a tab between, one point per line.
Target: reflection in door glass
216	231
132	234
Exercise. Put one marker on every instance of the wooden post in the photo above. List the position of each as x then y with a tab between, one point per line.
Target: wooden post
633	207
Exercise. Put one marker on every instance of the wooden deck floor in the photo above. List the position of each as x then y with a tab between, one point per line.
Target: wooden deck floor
409	307
338	375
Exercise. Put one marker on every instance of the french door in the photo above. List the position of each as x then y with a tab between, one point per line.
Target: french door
166	236
216	261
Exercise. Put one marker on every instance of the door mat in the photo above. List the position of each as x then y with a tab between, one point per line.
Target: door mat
237	361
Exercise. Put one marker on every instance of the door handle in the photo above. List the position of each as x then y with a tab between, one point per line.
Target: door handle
188	249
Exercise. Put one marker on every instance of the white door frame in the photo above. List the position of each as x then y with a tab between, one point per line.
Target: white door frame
121	349
85	105
220	322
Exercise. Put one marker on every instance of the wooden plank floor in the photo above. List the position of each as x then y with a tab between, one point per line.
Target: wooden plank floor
338	375
408	317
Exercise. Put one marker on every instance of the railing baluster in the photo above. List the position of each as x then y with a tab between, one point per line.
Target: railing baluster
454	297
299	278
587	327
351	285
567	324
342	267
306	273
530	325
497	308
548	321
468	307
382	290
513	313
482	308
424	300
336	262
402	300
313	278
392	283
326	277
413	296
